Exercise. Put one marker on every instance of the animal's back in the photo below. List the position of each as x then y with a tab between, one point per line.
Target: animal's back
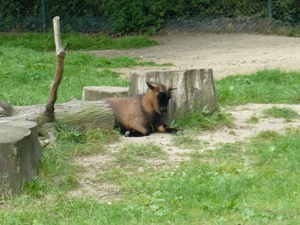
126	110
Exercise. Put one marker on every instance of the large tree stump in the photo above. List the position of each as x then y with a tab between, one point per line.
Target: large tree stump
195	89
20	154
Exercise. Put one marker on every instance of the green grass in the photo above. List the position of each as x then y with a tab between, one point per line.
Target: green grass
73	41
58	171
137	154
87	142
27	71
187	141
253	120
254	182
267	86
277	112
201	120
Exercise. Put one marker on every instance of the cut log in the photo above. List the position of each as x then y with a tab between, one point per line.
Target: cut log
35	146
85	115
20	155
79	115
195	89
95	93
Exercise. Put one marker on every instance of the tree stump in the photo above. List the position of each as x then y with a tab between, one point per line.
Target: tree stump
20	155
95	93
195	89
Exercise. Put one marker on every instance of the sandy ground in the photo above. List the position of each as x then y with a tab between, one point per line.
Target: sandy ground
226	54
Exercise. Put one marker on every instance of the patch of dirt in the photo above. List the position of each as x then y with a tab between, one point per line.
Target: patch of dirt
226	54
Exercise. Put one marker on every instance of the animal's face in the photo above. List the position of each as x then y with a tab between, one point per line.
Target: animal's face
162	95
163	101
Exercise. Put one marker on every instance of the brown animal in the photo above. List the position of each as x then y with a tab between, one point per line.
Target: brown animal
141	115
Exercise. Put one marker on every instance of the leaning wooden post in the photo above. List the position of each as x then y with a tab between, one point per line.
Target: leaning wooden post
60	56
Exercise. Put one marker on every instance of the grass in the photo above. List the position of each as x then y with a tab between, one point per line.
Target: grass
267	86
186	141
200	120
253	120
73	42
88	142
137	154
26	68
277	112
254	182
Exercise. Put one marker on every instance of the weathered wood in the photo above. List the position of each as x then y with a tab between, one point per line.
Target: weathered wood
8	109
60	56
35	145
75	114
20	154
85	115
95	93
195	89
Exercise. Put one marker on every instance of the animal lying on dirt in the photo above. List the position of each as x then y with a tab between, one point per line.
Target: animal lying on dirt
143	114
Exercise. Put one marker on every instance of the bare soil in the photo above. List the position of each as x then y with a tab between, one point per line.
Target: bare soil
226	54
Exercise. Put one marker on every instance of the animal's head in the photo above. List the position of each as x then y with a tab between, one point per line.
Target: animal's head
159	97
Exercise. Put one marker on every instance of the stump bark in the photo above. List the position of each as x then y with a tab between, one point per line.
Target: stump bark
195	89
20	155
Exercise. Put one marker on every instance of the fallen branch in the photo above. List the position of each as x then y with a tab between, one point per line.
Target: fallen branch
60	56
8	109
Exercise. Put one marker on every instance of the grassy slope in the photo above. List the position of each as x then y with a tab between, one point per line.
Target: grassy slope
27	70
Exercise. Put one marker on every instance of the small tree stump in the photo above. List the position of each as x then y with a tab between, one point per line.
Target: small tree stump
95	93
195	89
20	154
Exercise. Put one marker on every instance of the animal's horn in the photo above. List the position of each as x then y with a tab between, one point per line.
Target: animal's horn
170	88
152	82
159	86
